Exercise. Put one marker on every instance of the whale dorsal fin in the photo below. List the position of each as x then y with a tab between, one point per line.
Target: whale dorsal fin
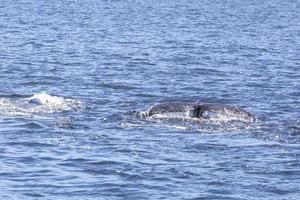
197	112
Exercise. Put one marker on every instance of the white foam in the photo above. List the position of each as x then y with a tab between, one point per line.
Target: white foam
43	98
208	117
37	105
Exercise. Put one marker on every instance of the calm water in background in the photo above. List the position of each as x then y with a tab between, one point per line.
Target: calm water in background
110	57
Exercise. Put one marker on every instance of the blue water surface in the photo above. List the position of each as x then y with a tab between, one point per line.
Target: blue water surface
106	58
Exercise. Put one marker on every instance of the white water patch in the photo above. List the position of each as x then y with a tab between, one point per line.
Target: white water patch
37	104
43	99
208	117
211	122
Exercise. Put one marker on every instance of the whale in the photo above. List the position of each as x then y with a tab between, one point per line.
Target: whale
196	110
43	99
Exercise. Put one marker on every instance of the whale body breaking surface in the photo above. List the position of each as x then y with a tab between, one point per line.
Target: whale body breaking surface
198	110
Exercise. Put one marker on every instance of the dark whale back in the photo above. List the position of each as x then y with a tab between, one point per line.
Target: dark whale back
170	107
197	109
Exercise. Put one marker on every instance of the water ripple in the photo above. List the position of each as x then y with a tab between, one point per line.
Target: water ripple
107	58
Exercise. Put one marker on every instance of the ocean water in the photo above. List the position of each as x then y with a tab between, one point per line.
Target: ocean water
103	59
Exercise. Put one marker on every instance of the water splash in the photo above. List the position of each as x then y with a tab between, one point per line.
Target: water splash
43	99
37	104
211	122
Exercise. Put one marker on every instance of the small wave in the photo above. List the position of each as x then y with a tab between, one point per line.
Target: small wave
31	125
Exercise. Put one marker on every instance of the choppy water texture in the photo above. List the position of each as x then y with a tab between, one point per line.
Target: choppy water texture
105	58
